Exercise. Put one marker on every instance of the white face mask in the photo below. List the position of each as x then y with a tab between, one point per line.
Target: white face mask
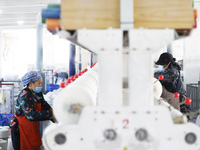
161	68
37	89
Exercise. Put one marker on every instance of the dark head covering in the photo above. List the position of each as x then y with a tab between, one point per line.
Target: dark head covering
165	58
31	76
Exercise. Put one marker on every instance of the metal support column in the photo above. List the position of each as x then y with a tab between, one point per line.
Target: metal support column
169	49
39	61
126	14
39	55
72	67
80	63
91	58
1	54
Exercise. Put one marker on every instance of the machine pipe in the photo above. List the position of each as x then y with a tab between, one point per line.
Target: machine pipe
72	53
39	44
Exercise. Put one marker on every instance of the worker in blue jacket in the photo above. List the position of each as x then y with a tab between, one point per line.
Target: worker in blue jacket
30	108
172	82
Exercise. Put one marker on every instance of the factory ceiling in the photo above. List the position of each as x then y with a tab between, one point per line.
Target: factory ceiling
21	14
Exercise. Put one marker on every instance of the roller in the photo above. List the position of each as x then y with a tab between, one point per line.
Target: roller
52	24
4	132
10	147
53	6
51	13
49	136
198	120
50	6
157	88
3	144
157	91
176	115
71	100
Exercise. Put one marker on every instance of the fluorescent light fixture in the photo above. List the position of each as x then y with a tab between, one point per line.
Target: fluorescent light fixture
0	11
20	22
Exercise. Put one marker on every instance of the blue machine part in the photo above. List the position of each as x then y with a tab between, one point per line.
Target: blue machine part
51	13
4	119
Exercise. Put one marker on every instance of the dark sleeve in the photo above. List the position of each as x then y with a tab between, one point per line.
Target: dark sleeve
156	74
45	105
28	108
169	76
170	79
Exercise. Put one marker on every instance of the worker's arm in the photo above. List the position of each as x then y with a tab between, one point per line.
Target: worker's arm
170	79
28	107
169	75
46	106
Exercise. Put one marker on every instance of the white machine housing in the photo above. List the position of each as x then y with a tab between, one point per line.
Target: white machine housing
141	125
111	126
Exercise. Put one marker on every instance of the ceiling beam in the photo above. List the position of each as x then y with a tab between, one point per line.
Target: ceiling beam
9	9
15	23
19	15
18	27
27	2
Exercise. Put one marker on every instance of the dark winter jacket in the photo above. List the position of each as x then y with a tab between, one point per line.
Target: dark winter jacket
25	106
170	82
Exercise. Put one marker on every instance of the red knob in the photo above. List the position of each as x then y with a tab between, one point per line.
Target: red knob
176	95
76	76
93	65
80	73
85	70
69	81
160	77
72	78
62	84
188	101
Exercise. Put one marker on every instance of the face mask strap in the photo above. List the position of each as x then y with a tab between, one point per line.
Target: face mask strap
166	65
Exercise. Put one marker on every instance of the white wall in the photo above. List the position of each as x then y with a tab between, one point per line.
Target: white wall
61	54
192	57
192	52
19	50
85	58
0	54
177	48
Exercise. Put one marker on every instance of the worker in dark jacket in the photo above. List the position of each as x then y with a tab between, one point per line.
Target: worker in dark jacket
30	108
172	79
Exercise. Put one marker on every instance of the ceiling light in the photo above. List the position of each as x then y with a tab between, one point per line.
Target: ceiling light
0	11
20	22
